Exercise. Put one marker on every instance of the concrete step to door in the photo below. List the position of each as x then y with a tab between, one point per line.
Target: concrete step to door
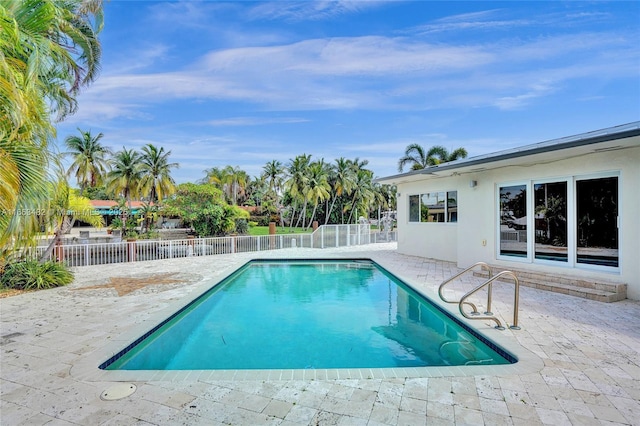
564	284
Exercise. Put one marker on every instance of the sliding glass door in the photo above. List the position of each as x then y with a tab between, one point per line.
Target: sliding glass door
513	221
597	221
550	221
571	221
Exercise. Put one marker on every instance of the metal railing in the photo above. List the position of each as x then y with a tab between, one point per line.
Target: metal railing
475	315
488	282
141	250
456	276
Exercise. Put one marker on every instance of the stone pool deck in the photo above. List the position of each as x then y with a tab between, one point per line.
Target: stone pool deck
580	358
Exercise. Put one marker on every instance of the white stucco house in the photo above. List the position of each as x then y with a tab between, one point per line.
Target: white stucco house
567	208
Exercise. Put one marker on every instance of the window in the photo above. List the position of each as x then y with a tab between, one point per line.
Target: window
573	221
434	207
597	221
414	208
551	221
513	220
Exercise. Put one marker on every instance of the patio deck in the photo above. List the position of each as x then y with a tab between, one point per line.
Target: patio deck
581	358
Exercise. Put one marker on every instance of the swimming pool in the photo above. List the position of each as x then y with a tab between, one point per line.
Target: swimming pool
301	314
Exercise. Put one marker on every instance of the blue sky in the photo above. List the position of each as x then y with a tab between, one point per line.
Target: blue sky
243	83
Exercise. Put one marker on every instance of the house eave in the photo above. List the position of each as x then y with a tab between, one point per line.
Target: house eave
618	137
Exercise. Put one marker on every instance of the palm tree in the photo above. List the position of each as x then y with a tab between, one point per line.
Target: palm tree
149	214
48	50
317	186
125	174
67	207
273	174
419	159
156	173
234	180
89	162
213	176
297	171
342	180
363	192
22	177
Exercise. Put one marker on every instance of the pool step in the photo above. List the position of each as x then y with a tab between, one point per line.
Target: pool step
592	290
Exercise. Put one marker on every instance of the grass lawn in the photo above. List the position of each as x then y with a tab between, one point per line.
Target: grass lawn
264	230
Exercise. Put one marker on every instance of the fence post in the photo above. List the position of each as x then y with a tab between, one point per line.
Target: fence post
348	235
59	252
170	249
322	237
272	235
190	245
86	255
131	250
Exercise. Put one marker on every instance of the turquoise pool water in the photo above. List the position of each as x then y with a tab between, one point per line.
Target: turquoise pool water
308	314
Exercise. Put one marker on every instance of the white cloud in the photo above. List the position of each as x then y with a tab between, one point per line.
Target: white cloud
309	10
255	121
369	72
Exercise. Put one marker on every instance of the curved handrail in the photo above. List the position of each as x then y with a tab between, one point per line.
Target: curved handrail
447	281
515	301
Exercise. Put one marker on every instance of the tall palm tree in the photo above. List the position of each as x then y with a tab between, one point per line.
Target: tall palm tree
234	180
273	173
362	193
297	171
89	161
156	173
341	180
48	50
125	174
214	176
317	186
419	158
22	177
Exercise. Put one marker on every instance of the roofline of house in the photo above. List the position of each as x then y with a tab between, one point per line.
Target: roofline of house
598	136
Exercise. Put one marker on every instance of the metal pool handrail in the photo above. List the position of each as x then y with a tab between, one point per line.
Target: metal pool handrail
515	301
447	281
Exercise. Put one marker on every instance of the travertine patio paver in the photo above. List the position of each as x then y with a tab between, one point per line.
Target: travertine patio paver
52	341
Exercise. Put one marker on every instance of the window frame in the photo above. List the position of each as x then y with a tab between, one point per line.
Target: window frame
572	206
446	206
528	206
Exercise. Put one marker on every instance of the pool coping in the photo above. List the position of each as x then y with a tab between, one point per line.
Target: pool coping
87	368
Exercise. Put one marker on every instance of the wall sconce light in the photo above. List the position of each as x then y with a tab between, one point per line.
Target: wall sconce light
473	183
398	194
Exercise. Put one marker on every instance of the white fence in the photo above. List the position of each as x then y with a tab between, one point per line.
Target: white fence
140	250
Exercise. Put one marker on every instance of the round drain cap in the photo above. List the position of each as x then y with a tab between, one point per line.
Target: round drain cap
119	391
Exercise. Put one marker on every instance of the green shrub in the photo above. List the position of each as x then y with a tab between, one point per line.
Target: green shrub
242	226
32	275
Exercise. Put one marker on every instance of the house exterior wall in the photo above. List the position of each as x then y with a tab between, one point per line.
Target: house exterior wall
431	240
475	236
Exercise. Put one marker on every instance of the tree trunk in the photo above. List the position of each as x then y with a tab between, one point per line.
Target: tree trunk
313	215
67	224
293	215
326	220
